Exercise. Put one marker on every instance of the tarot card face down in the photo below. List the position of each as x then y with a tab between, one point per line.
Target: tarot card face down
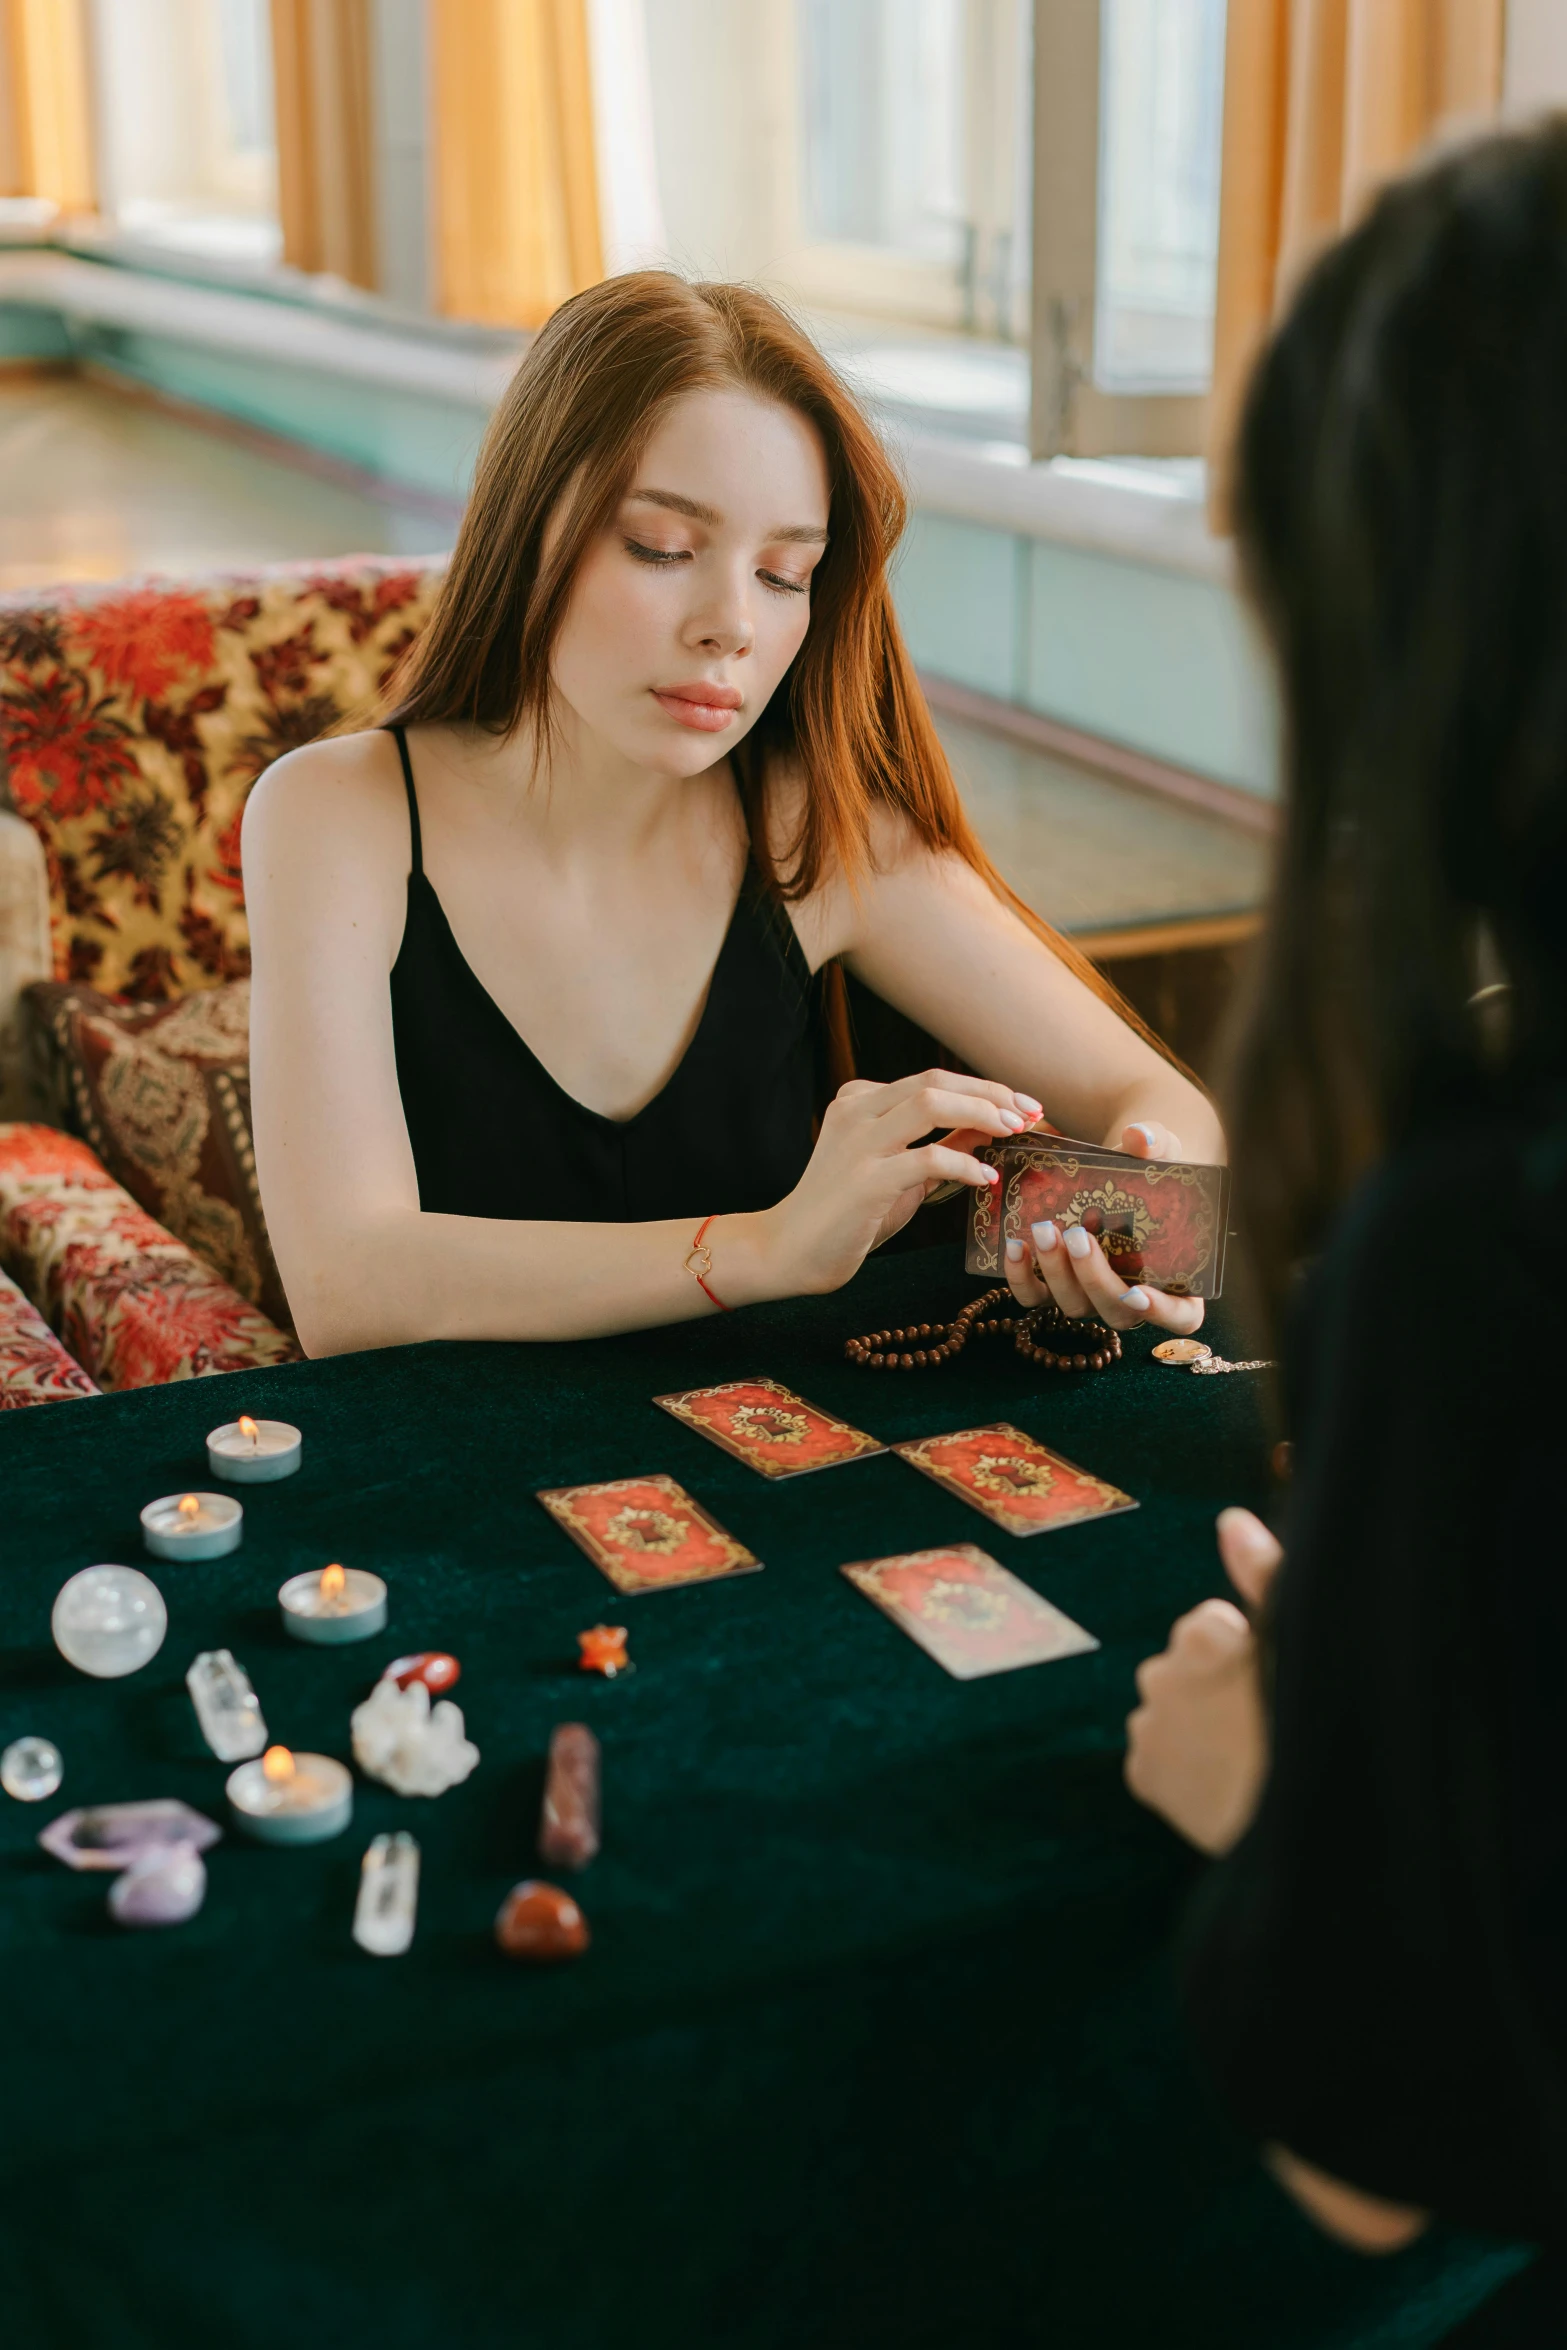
1016	1481
1158	1220
968	1612
646	1533
772	1430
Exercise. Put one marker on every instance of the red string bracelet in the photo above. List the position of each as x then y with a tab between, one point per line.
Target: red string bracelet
699	1263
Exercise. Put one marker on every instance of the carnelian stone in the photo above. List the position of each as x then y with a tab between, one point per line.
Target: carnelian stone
432	1666
604	1650
540	1922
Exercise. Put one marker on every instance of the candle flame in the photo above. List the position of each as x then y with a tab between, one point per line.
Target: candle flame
277	1764
247	1427
190	1507
333	1582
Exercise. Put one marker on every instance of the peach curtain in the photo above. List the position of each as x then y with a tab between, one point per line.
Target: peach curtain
514	181
48	102
1323	100
326	186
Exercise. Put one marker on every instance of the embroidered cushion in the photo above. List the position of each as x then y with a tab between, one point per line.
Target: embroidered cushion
34	1366
134	720
161	1092
132	1303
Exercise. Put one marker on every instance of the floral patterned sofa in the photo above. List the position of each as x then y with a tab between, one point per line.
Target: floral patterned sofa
133	720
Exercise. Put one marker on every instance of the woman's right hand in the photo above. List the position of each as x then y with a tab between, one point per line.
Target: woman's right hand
870	1169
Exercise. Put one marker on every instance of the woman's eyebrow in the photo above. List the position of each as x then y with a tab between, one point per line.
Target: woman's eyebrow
797	533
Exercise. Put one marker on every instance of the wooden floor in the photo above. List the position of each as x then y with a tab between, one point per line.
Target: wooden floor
96	483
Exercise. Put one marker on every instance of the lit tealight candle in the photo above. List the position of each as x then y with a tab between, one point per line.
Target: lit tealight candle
283	1798
192	1525
254	1452
338	1604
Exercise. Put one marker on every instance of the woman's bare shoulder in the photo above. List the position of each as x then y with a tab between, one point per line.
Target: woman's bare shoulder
345	791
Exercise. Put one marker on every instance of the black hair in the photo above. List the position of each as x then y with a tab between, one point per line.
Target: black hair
1401	511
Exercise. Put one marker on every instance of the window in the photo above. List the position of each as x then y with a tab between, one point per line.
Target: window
186	141
882	122
1160	118
1128	126
913	149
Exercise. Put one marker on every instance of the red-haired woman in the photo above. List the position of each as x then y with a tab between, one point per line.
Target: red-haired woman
537	967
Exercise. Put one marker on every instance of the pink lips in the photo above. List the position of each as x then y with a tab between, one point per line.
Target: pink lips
708	708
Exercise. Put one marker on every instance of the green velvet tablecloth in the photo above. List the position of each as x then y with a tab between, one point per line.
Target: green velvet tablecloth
875	2043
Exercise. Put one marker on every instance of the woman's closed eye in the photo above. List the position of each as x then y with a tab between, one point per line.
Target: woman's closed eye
780	583
657	554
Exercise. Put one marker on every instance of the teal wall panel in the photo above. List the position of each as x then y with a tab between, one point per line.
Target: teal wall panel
1156	659
961	593
30	333
428	444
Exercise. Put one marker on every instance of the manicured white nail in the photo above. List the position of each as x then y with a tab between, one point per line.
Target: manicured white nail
1078	1243
1045	1235
1013	1123
1137	1299
1026	1101
1014	1252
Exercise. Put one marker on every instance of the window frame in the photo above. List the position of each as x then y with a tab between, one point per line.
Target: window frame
1069	414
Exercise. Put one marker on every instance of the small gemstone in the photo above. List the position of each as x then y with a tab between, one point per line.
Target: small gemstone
160	1888
226	1706
604	1650
388	1903
31	1769
569	1820
540	1922
115	1835
432	1666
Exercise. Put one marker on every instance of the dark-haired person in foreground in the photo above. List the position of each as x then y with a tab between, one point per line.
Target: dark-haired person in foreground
1378	1969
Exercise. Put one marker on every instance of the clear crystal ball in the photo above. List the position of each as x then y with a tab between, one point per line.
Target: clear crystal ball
108	1621
31	1769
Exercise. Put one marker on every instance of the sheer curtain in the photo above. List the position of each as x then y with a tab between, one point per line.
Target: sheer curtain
515	182
1323	100
47	102
321	77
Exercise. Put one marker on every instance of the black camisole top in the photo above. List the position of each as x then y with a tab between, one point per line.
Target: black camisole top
494	1135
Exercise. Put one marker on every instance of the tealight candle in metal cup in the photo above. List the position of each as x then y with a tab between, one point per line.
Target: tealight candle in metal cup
192	1525
283	1798
338	1604
254	1452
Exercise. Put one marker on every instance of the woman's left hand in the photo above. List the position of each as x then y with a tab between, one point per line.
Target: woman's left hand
1197	1745
1071	1269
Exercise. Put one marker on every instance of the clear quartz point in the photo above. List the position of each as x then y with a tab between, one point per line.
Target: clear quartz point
388	1895
226	1706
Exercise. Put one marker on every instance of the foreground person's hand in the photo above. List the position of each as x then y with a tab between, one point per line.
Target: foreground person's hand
872	1168
1071	1269
1197	1745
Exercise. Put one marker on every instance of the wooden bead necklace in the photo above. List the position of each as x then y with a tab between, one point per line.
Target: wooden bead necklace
1077	1346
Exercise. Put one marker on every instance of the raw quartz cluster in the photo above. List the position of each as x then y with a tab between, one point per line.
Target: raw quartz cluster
410	1745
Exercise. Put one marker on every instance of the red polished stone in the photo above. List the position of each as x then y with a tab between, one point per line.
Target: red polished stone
438	1671
540	1922
604	1650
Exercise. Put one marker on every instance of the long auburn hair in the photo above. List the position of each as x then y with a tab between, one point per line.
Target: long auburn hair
566	439
1401	508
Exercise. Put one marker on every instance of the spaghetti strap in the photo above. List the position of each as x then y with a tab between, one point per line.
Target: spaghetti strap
400	737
